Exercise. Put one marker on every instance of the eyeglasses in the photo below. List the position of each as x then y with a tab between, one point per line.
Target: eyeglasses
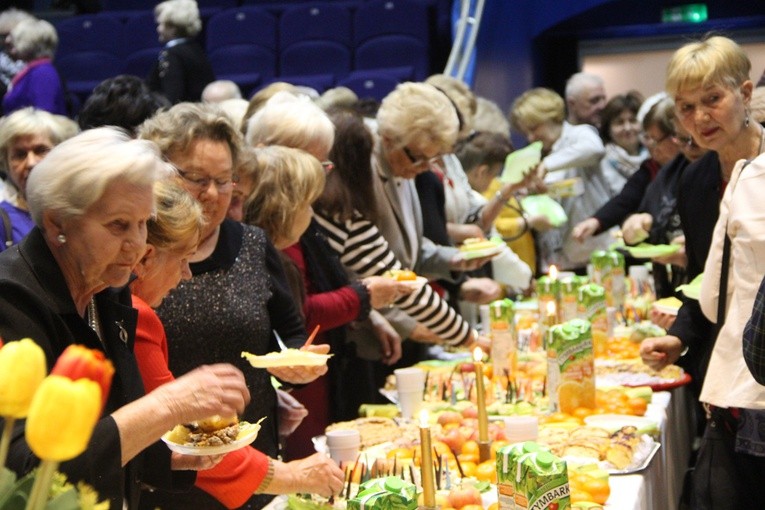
685	140
650	142
420	160
200	182
328	166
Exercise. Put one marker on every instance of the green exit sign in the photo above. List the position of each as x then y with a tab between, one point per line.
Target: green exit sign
691	13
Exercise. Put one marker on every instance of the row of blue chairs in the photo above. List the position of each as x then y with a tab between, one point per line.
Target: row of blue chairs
316	44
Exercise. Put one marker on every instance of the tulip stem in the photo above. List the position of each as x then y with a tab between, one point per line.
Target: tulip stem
5	439
38	498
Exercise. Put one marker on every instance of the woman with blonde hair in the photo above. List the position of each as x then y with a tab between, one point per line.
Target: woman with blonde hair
709	81
182	71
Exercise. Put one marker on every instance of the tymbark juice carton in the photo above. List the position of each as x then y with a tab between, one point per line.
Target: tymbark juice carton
542	483
570	366
507	467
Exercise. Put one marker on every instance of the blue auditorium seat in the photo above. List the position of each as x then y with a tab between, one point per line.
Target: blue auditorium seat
405	57
83	70
320	20
140	63
370	84
247	65
141	32
315	57
386	17
241	26
90	32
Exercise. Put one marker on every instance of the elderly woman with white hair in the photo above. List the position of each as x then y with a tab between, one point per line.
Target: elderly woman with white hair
26	136
182	71
38	84
65	283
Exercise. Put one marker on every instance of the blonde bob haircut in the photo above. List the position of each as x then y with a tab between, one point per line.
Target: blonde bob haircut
177	221
285	180
176	129
716	60
535	107
29	122
292	121
75	174
33	39
461	97
418	113
183	15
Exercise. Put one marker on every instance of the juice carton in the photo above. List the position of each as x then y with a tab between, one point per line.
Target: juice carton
570	367
609	271
591	306
548	289
503	345
569	293
507	467
542	483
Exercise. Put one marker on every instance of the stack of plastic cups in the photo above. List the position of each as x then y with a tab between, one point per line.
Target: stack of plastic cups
521	428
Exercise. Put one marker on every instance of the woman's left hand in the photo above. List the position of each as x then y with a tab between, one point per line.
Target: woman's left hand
180	462
302	374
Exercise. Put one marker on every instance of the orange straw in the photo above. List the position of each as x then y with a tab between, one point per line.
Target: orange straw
313	335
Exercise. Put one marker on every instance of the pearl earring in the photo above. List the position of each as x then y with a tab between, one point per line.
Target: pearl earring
61	238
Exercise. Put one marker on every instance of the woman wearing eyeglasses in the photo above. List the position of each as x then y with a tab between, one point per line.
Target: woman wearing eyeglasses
238	293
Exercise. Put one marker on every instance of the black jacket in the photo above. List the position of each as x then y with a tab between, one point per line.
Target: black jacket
181	72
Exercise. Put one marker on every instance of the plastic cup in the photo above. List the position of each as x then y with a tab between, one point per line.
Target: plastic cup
343	444
410	384
521	428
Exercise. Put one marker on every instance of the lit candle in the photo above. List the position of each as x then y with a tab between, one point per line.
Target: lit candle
551	316
426	462
553	273
483	421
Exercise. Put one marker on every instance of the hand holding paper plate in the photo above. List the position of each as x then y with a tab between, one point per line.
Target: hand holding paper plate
692	289
520	162
546	206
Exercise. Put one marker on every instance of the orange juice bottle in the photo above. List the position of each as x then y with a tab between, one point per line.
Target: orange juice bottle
570	366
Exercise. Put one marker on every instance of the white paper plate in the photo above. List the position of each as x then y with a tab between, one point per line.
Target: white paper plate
248	432
520	162
649	251
287	358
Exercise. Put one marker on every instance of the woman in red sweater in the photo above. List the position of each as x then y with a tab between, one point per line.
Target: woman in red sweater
172	237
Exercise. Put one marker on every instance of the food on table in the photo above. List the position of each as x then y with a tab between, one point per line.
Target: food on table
588	442
373	431
633	372
401	275
589	483
287	358
390	492
624	443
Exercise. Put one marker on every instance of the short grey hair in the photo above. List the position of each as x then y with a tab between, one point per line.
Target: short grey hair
221	90
76	173
33	39
579	81
183	15
417	112
9	18
291	121
31	121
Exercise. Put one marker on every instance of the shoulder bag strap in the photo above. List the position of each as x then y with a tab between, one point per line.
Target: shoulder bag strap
7	225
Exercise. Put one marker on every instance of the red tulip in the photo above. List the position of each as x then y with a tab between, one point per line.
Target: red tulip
79	362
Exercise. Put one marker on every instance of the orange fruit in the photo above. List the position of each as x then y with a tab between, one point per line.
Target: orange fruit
598	489
486	471
578	495
468	468
470	448
405	453
496	445
637	406
493	506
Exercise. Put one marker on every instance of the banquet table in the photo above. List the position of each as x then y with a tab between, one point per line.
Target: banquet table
659	486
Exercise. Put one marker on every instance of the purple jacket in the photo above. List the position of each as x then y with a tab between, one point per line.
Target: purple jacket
37	85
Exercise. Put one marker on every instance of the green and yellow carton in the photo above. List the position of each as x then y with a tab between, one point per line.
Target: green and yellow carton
570	366
608	270
591	305
507	467
569	296
387	493
548	289
502	330
542	483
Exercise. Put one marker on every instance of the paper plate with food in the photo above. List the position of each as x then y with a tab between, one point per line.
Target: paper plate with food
651	251
669	305
213	436
476	247
407	277
287	358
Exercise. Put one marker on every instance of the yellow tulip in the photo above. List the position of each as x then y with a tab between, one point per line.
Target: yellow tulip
62	417
22	369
